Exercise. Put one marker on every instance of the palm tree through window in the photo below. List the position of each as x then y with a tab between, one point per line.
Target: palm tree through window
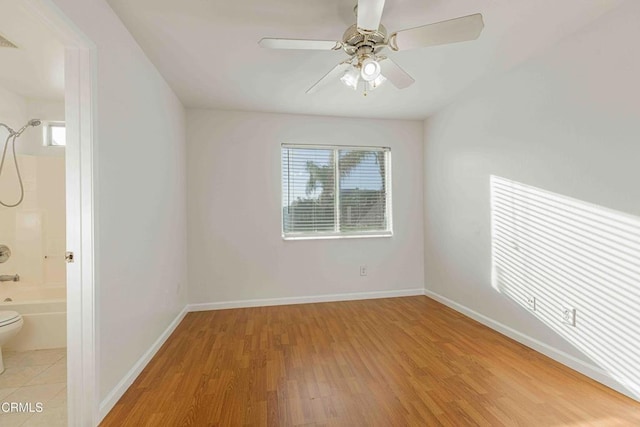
335	191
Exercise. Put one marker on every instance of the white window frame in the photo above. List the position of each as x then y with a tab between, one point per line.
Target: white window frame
48	142
338	234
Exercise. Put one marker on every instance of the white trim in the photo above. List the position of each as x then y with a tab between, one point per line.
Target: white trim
336	233
48	134
80	107
336	191
86	310
64	29
594	372
319	236
304	300
112	398
388	172
335	147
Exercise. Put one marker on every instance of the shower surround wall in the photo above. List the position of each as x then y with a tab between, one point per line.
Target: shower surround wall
34	230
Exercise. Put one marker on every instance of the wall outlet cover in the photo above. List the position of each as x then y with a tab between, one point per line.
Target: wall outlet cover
569	316
531	303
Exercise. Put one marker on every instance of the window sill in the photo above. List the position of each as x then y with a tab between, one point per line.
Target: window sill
339	236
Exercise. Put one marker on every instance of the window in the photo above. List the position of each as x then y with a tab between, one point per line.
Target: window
55	134
331	191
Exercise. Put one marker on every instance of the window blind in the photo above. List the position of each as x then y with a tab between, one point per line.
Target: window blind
362	190
335	191
308	189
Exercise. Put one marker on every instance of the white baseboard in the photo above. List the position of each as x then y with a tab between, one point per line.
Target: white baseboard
112	398
109	402
591	371
304	300
581	366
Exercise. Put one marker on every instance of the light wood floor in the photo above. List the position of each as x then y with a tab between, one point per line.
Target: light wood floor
387	362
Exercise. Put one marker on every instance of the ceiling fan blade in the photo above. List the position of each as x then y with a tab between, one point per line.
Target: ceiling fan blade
396	75
445	32
332	75
369	14
300	44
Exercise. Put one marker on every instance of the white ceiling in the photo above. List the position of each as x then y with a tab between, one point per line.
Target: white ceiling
207	50
36	69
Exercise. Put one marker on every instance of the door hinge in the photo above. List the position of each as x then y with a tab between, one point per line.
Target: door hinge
68	256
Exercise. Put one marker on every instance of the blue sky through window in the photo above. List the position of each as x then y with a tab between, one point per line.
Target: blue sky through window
362	177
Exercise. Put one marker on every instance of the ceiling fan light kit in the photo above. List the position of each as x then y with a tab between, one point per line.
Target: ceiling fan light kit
364	40
367	72
351	77
369	69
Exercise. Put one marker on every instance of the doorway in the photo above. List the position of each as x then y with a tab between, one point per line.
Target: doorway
73	250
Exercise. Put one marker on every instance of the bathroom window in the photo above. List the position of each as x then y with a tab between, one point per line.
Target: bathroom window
335	191
55	134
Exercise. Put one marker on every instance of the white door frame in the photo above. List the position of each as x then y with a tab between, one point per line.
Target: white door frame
80	90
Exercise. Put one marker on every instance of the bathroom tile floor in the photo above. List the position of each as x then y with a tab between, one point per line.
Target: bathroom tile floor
31	377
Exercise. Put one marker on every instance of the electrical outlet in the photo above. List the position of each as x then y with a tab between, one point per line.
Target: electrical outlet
569	316
531	303
363	270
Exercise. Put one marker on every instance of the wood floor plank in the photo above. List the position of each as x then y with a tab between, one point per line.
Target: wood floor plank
399	361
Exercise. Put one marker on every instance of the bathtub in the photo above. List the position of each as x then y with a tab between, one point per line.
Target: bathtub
44	310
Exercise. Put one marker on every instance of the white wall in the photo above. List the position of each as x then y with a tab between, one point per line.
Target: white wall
140	197
236	251
13	111
567	122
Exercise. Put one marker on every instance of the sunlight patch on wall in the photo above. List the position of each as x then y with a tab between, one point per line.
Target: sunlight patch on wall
569	254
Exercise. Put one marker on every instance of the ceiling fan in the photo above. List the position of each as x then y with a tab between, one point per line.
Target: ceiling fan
364	41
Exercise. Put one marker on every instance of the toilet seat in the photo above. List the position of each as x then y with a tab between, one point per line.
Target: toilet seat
9	317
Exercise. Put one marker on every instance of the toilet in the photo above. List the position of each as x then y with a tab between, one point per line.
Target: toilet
10	324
